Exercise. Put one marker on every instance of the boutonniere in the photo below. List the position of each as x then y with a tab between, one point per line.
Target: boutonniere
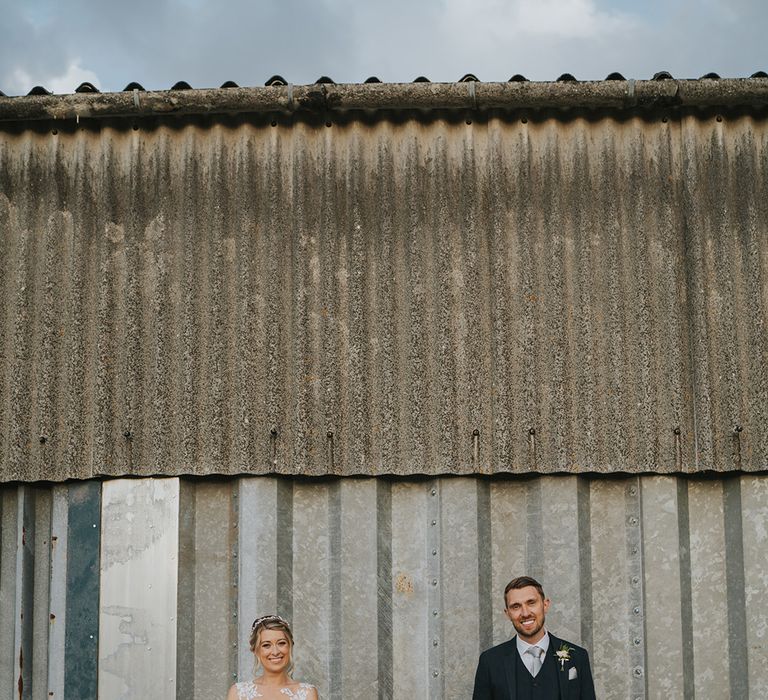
563	654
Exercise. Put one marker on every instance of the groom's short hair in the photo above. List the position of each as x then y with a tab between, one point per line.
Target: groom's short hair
523	582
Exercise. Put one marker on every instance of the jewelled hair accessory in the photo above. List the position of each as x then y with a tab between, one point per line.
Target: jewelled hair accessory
269	618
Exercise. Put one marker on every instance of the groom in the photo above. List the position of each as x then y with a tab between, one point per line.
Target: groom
534	664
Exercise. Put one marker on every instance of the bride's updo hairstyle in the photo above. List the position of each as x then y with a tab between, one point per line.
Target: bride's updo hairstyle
271	622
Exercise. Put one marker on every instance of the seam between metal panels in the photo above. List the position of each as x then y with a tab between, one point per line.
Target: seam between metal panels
335	659
686	602
635	587
435	612
738	658
583	506
534	555
384	588
484	565
285	548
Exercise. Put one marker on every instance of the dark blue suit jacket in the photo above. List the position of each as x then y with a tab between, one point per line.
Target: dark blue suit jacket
495	676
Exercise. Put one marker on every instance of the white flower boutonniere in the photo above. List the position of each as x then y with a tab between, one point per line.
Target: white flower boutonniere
563	654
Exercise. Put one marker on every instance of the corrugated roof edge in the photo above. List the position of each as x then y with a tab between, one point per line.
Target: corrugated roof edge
330	97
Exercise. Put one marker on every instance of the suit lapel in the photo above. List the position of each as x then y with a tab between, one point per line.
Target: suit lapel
562	676
510	667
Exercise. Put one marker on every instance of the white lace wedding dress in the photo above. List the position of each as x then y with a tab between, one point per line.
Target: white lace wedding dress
247	690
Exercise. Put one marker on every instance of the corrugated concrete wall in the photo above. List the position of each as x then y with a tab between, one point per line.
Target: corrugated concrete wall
407	296
146	588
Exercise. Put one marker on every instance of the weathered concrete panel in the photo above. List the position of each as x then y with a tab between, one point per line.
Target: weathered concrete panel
214	601
410	603
311	593
708	590
661	563
754	502
139	564
356	592
225	296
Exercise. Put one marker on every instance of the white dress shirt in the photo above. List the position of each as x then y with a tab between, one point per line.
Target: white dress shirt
523	647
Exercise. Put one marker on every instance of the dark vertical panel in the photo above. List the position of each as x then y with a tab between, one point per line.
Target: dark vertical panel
384	587
82	636
334	553
534	545
583	492
185	619
25	589
285	548
736	584
484	565
686	601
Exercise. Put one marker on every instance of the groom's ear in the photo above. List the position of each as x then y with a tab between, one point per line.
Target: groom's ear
546	601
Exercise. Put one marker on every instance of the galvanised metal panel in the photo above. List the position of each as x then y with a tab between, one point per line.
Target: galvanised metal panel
662	577
549	294
138	589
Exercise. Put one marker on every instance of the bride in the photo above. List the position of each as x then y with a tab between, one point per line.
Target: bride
271	642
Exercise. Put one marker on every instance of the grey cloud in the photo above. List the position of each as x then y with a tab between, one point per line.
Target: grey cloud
158	42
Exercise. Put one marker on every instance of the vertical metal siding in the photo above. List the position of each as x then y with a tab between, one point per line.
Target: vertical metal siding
360	299
392	587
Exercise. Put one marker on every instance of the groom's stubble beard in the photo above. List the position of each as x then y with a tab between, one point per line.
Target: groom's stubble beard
527	634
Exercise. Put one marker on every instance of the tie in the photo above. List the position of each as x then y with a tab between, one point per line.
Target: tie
535	653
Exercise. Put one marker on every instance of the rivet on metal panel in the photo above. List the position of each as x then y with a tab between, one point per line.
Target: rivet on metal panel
435	673
434	492
127	435
434	522
434	613
633	521
678	449
234	554
737	429
329	435
90	636
635	580
94	525
633	491
634	550
435	642
524	120
532	446
43	439
149	648
434	552
637	641
637	672
434	581
636	610
719	118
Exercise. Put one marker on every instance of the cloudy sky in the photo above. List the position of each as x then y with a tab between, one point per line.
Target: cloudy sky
61	43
